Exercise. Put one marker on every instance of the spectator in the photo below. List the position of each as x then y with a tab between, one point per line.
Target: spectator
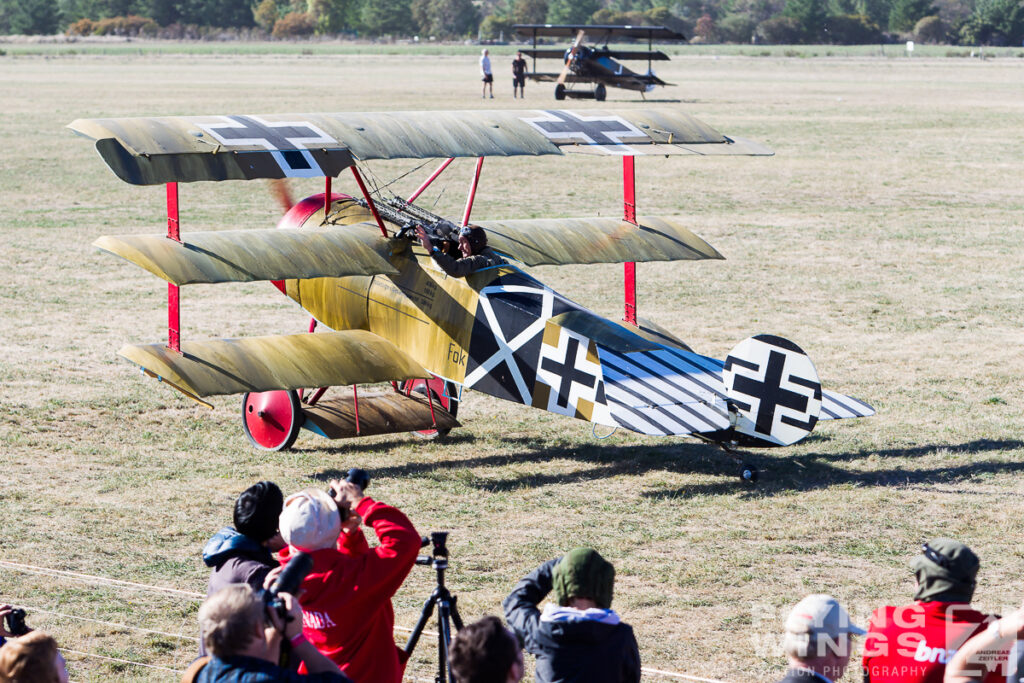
486	652
485	72
912	643
346	598
581	638
32	658
982	656
473	246
518	76
244	553
818	641
244	638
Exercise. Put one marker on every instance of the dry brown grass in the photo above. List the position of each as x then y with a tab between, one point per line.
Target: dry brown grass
884	237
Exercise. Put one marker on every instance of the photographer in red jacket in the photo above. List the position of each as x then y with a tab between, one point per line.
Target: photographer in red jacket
346	598
913	643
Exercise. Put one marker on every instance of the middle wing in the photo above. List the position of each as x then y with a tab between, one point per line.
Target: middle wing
248	255
561	241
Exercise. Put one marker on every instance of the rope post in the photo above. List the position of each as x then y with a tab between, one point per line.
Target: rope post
629	215
173	293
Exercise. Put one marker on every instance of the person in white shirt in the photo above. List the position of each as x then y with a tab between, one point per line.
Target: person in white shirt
485	71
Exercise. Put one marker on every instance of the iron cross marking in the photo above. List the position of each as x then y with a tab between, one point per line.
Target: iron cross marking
770	392
248	130
560	125
568	372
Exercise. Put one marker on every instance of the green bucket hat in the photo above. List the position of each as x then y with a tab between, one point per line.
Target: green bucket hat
583	573
945	571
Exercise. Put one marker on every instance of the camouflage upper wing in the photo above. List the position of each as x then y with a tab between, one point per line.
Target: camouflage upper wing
248	255
234	366
561	241
149	151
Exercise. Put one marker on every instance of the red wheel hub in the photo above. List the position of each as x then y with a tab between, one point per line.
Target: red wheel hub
271	418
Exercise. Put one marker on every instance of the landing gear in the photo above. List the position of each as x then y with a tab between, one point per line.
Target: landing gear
272	419
441	393
600	92
559	92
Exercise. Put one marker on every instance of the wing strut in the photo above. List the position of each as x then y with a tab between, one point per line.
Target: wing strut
426	183
472	191
629	214
173	301
369	200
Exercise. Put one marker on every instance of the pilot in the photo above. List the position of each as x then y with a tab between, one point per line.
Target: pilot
473	246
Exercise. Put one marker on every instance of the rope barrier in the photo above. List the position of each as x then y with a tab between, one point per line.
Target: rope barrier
97	579
671	674
122	661
194	639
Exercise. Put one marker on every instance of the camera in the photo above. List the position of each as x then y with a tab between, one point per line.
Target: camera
16	622
360	478
288	581
438	557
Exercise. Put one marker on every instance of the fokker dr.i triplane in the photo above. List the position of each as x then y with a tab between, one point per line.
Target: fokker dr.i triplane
383	311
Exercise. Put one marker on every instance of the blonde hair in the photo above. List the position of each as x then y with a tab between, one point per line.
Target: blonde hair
32	658
227	618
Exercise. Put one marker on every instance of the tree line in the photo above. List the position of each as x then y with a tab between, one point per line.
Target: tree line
966	22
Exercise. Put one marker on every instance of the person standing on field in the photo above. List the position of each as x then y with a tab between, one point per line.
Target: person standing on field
485	71
519	76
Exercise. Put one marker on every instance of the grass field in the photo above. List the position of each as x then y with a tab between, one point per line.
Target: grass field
884	237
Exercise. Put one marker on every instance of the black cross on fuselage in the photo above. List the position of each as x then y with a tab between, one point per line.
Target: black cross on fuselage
609	131
568	372
272	137
770	392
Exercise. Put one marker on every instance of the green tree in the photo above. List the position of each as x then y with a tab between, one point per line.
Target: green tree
334	16
495	26
931	30
387	17
36	17
571	11
995	22
445	18
903	14
530	11
876	10
810	16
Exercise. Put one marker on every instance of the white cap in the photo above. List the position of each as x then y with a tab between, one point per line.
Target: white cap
310	520
821	615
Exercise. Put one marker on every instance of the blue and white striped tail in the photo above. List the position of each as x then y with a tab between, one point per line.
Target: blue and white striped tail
766	393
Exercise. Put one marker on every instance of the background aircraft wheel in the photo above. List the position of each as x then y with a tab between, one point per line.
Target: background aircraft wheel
748	474
272	419
440	394
600	92
559	92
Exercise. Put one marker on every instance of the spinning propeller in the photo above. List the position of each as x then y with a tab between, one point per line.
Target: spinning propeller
572	56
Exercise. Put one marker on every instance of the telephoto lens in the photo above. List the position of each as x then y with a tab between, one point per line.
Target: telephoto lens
288	581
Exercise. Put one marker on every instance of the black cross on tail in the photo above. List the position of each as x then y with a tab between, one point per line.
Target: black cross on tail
775	388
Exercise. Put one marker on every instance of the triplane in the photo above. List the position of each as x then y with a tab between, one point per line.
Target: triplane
597	65
396	317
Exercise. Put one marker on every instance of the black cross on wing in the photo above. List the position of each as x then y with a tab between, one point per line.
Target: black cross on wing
287	141
610	133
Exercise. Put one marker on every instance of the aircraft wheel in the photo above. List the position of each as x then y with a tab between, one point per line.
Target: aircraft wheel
272	419
440	394
748	474
600	92
559	92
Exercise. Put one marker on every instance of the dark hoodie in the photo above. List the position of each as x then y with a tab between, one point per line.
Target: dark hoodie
588	648
235	558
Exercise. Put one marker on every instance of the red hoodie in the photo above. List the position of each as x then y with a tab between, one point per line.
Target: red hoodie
346	606
913	643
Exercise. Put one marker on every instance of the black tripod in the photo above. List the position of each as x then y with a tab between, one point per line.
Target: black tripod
447	611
